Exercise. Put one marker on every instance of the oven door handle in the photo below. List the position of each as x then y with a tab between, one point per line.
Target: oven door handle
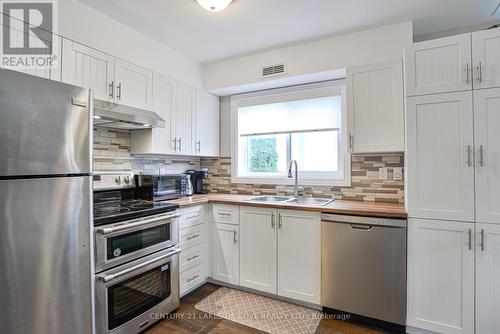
109	230
109	278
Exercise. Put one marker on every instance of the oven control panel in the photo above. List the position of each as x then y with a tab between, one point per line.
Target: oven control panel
113	180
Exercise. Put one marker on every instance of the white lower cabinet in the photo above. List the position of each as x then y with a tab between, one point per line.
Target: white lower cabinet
441	276
258	251
487	279
225	253
193	240
299	255
280	252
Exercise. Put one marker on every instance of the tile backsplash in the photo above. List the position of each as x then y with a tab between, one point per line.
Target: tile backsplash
112	152
365	185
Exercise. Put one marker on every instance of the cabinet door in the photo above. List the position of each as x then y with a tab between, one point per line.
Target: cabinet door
226	253
88	68
299	255
487	279
375	106
258	248
184	119
48	71
486	57
487	141
441	276
134	85
207	124
439	65
440	156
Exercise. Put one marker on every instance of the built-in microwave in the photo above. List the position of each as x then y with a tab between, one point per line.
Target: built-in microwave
161	187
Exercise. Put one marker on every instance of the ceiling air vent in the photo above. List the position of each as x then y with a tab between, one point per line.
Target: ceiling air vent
274	70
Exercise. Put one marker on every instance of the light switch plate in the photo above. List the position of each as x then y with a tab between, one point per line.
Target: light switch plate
398	174
382	173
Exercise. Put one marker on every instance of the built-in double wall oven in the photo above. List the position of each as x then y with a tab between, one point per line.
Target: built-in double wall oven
136	257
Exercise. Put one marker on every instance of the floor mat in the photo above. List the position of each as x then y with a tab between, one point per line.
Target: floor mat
262	313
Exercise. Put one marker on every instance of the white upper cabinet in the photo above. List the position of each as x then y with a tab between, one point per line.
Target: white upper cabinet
158	140
134	85
88	68
299	255
207	124
258	248
441	276
486	58
183	120
375	107
226	253
487	278
441	156
487	141
439	65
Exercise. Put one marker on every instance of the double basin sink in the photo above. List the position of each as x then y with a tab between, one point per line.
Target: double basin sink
307	201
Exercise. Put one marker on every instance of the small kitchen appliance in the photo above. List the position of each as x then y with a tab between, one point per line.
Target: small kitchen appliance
197	177
136	255
161	187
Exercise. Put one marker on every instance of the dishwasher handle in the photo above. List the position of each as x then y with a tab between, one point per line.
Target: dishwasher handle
362	227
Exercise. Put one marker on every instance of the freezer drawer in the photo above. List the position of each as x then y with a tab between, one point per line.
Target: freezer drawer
364	266
45	272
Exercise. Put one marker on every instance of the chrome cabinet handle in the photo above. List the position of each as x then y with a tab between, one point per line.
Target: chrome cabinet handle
467	81
351	140
179	140
119	90
234	237
193	237
479	75
224	214
198	146
272	220
192	278
112	90
192	258
108	278
481	155
280	221
482	240
469	156
470	239
175	143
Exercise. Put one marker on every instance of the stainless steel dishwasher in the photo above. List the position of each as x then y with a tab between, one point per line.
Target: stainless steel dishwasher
364	267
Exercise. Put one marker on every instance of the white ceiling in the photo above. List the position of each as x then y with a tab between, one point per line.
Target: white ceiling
250	25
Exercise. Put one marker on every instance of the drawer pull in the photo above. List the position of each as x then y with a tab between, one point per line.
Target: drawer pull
193	237
224	214
193	215
192	258
189	280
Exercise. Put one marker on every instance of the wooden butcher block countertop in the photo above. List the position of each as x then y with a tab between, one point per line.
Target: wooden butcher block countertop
355	208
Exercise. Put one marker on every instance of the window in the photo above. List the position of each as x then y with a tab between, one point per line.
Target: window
306	124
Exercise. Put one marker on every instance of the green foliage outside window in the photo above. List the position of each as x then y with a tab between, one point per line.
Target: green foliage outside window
263	155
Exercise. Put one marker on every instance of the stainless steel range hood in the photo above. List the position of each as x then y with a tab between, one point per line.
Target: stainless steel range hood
118	116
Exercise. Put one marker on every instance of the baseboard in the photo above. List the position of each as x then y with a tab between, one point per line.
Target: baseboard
266	294
416	330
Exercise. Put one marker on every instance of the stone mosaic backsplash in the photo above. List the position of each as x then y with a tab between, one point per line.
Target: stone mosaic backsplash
365	185
112	152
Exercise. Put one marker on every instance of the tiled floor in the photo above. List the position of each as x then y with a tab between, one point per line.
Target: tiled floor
189	320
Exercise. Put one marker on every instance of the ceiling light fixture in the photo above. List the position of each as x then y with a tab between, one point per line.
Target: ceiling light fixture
214	5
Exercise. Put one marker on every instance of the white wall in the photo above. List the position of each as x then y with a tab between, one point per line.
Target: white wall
364	47
85	25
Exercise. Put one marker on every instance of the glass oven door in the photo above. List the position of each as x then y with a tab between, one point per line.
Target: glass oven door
132	295
125	241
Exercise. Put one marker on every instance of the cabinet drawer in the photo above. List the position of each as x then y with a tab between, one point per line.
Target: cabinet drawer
191	216
192	236
192	257
192	278
227	214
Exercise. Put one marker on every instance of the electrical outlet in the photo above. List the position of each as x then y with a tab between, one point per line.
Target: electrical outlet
398	174
382	173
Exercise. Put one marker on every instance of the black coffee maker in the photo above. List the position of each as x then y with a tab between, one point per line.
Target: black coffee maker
197	177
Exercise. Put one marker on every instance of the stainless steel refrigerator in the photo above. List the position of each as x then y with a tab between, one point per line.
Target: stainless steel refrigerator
45	206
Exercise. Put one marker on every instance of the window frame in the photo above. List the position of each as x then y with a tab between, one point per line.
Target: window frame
300	92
